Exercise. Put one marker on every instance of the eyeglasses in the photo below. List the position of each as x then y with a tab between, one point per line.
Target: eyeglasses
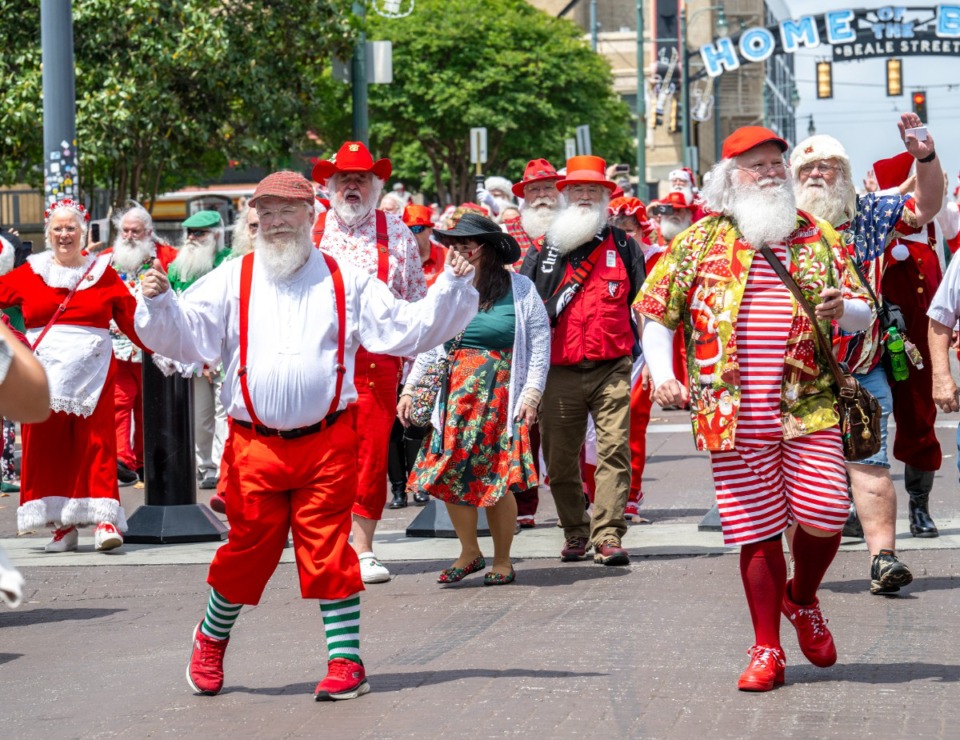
253	227
825	168
663	210
417	229
197	232
762	169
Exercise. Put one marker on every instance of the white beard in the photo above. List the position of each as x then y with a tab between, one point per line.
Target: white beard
687	191
195	259
764	215
833	203
575	226
352	214
670	228
7	256
129	254
535	220
285	253
242	243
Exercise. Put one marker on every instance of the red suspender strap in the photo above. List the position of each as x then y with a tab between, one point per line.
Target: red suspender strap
246	278
319	226
340	297
383	247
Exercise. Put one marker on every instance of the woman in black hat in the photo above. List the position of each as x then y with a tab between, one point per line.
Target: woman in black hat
478	453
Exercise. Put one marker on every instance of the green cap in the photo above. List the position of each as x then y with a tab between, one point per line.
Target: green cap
203	220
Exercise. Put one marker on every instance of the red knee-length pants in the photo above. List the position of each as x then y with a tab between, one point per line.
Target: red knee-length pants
275	485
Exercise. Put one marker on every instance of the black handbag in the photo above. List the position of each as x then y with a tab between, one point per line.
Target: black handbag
860	412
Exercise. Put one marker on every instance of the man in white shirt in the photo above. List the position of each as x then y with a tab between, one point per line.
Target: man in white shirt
291	457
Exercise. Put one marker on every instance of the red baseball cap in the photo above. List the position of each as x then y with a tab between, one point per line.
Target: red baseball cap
352	157
746	138
536	170
414	215
284	184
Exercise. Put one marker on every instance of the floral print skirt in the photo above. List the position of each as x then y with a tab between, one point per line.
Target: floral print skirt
474	461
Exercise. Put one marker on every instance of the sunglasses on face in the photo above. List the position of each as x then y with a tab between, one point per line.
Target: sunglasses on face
417	229
197	232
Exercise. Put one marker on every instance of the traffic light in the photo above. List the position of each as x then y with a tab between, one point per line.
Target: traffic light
824	80
894	78
920	104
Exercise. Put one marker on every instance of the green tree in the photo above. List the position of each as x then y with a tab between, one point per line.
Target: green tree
169	92
530	78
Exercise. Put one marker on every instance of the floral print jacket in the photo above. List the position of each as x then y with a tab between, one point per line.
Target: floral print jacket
699	283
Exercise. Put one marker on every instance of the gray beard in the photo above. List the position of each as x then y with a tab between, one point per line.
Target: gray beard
195	260
831	203
242	243
536	221
669	229
764	216
129	254
283	256
574	226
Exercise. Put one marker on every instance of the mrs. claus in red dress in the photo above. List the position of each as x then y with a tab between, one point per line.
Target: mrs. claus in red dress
69	466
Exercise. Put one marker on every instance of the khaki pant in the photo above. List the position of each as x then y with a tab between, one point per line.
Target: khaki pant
602	391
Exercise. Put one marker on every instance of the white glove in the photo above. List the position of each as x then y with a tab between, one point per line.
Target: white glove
166	366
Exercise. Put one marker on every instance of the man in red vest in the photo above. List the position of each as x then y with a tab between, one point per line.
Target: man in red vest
357	234
588	273
288	322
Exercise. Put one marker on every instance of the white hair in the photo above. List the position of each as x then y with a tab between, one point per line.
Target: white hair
77	216
137	211
717	188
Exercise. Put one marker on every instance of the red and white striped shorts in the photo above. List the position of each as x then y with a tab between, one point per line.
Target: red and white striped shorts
765	485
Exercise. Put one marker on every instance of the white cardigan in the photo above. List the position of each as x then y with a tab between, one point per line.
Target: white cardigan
531	348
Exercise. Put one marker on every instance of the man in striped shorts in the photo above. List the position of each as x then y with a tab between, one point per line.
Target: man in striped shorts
761	397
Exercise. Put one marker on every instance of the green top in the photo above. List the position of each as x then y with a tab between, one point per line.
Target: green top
492	329
16	318
178	285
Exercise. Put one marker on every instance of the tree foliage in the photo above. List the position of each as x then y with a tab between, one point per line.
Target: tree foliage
531	79
169	92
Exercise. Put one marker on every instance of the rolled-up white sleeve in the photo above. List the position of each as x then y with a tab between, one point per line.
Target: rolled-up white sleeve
945	306
392	326
658	351
188	328
857	315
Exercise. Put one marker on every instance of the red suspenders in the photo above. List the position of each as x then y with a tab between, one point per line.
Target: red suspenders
383	242
339	294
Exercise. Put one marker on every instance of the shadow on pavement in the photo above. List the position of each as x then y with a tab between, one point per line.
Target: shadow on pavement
7	657
875	673
920	584
387	682
565	575
45	616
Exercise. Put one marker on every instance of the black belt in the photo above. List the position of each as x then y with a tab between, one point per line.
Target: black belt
290	433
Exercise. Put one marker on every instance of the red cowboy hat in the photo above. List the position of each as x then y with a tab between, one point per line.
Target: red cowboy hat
746	138
352	157
537	170
414	215
587	169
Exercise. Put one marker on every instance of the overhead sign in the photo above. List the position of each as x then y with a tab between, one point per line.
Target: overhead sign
478	145
583	140
853	34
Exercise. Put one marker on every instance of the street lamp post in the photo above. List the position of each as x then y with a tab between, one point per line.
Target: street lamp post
684	24
641	111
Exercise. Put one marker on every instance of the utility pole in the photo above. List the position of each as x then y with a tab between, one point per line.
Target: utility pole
59	101
641	110
358	73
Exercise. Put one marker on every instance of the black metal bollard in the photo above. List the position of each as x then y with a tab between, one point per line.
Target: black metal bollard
170	513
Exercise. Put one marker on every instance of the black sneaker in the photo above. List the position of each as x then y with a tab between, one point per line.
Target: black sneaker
887	574
125	476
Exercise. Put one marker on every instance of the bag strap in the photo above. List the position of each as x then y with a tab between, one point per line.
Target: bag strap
571	286
339	293
63	305
825	345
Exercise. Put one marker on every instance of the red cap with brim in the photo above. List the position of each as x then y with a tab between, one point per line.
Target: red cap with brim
746	138
587	169
892	172
352	157
284	184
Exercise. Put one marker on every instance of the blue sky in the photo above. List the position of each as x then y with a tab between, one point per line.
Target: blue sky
860	114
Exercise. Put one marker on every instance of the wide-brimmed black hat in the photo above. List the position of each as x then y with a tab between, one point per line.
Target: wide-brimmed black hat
485	231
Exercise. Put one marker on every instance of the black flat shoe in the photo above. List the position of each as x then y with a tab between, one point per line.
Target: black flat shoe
399	501
420	498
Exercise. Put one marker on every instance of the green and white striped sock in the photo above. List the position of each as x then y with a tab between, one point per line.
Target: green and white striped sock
341	623
220	616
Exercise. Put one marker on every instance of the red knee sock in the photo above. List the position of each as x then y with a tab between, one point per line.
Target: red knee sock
812	556
764	572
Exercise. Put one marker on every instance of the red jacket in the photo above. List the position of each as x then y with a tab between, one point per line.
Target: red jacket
596	324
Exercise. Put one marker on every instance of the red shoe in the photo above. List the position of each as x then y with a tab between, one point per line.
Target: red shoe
574	548
205	669
765	671
218	503
345	680
816	642
526	522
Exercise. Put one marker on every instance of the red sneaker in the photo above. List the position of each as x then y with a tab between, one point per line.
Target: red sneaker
816	642
218	503
765	671
205	669
345	680
526	522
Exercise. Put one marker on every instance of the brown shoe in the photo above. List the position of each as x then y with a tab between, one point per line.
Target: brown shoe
609	552
575	548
